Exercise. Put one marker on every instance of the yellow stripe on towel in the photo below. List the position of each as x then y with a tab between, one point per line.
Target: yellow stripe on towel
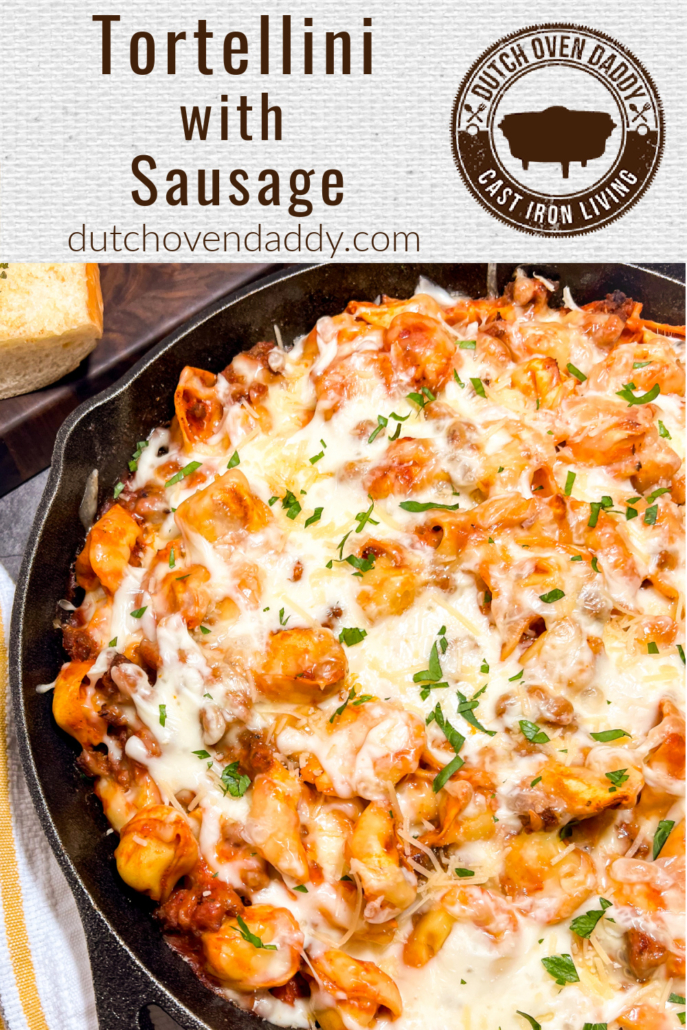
10	884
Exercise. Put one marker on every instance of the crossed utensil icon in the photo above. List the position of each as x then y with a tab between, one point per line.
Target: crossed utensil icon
640	114
474	115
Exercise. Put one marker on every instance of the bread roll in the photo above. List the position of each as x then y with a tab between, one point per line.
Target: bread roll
51	317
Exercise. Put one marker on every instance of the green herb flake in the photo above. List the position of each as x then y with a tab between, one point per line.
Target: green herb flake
681	652
596	507
518	676
580	376
187	470
652	647
617	778
657	493
291	505
465	708
478	387
663	831
456	740
251	938
363	517
484	667
163	714
532	732
646	398
468	344
561	968
282	620
113	642
118	487
463	872
595	564
313	461
530	1019
234	783
650	515
457	378
535	781
315	517
201	754
351	635
301	888
426	506
272	500
138	614
662	431
677	999
205	629
234	460
342	708
604	736
631	513
552	596
569	483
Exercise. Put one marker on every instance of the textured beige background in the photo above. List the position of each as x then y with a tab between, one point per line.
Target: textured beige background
69	134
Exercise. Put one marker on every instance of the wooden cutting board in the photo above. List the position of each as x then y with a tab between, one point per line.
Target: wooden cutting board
143	303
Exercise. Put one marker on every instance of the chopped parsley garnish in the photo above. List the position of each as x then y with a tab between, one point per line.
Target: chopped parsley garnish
138	614
140	447
301	888
382	423
617	778
423	398
282	620
518	676
273	500
172	559
478	387
118	487
315	458
596	507
315	517
484	667
569	482
187	470
606	735
351	635
342	708
201	754
631	513
457	378
205	629
234	460
291	505
535	781
463	872
652	647
580	376
234	783
363	517
576	557
178	578
561	968
163	714
113	642
640	364
657	493
595	564
251	938
426	506
646	398
465	708
676	999
456	740
530	1019
662	431
532	732
650	515
468	344
584	925
551	596
663	831
680	651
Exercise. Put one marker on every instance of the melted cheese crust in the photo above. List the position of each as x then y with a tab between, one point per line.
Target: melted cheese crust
360	638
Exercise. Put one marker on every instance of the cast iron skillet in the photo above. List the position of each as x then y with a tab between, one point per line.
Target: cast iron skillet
132	966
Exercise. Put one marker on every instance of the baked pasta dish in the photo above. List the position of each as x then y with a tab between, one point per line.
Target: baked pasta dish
375	663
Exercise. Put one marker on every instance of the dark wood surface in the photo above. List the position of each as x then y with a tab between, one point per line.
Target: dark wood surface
143	302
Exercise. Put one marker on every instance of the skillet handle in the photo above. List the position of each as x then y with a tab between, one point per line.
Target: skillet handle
122	988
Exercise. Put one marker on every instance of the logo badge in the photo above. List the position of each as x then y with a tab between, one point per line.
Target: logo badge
557	130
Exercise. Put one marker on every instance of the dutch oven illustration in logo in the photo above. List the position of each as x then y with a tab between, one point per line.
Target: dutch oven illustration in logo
557	130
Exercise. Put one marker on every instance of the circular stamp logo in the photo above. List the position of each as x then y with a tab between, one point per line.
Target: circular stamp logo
557	130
